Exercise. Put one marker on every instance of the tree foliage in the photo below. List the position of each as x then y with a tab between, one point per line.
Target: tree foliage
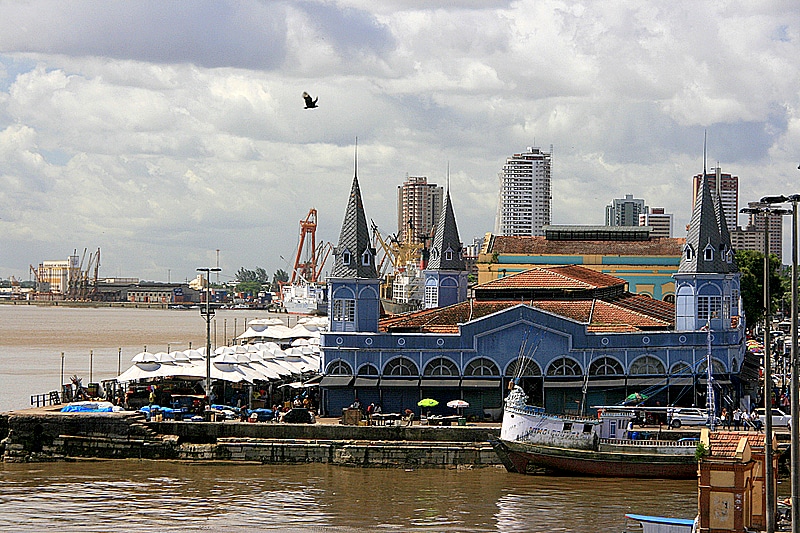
258	275
280	276
751	266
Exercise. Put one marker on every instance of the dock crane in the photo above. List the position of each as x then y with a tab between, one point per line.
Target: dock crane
310	257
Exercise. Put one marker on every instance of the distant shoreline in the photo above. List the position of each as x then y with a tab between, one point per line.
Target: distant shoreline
63	303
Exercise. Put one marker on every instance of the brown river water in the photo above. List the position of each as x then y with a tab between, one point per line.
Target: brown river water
165	496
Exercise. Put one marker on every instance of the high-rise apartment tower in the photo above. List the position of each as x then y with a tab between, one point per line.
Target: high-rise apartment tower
525	199
727	187
419	206
625	211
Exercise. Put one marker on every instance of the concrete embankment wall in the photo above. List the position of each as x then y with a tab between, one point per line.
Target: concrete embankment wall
65	436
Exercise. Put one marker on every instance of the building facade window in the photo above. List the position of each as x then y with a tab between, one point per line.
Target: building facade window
564	367
708	307
339	368
605	366
431	296
529	368
647	366
368	370
401	366
481	367
441	367
344	310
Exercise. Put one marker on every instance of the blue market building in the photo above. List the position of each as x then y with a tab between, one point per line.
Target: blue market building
574	337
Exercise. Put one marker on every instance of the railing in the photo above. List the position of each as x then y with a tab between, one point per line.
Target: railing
43	400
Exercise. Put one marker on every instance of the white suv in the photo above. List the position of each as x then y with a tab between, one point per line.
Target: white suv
779	418
687	416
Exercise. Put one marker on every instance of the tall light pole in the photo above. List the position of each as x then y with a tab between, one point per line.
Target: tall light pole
769	472
794	384
207	312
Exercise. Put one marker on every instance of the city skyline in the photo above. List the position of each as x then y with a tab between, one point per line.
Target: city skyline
162	132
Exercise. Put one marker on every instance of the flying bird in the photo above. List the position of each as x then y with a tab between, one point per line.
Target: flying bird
310	104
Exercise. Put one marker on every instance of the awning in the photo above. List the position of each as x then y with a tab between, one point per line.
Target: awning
681	382
439	383
572	384
362	382
606	382
703	381
480	383
646	381
335	381
399	382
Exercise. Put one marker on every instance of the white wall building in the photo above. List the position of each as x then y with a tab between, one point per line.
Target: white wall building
525	200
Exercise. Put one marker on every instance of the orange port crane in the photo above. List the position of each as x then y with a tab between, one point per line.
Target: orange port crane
310	259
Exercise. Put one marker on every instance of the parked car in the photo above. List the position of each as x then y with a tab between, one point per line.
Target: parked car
687	416
779	418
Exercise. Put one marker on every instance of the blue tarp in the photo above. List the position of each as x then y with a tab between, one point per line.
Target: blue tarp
88	407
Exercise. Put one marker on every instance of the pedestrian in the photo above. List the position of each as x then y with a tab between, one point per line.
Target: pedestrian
746	420
409	417
737	418
724	417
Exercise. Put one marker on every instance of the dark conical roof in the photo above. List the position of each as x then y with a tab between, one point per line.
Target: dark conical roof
354	257
447	240
708	245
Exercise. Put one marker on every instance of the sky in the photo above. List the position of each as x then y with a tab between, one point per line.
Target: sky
161	132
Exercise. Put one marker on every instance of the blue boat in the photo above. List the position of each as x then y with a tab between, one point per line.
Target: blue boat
660	524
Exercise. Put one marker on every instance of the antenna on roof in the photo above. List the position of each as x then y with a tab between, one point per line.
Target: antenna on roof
705	141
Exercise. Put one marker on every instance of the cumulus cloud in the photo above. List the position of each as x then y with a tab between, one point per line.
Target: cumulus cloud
164	131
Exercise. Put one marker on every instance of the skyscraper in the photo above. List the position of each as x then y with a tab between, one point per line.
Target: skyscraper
726	186
419	206
625	211
524	203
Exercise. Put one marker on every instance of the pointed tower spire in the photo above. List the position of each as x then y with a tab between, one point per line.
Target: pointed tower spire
446	252
355	258
703	251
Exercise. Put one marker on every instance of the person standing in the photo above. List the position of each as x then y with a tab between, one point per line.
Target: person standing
737	418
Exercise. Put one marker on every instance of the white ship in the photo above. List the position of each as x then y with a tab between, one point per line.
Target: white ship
305	298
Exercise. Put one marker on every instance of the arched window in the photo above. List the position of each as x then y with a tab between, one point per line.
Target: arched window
716	367
368	370
680	369
564	367
441	367
606	366
401	366
647	366
688	252
339	368
669	298
365	258
481	367
529	368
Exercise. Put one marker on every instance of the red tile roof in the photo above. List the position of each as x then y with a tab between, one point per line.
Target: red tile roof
558	277
597	315
541	246
723	444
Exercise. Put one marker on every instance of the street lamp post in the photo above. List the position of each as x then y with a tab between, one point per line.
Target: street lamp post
207	313
769	473
794	365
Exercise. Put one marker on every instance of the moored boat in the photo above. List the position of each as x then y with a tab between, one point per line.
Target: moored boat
531	440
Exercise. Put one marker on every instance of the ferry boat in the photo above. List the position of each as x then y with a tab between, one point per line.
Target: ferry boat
532	440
